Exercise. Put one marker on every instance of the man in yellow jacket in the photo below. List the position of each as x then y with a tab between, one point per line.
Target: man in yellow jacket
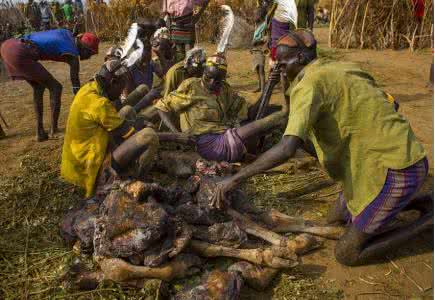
100	142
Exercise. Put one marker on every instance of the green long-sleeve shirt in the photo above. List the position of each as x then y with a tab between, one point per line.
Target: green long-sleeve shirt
355	129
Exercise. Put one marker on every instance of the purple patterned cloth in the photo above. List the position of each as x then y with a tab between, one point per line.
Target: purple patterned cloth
398	191
279	29
227	146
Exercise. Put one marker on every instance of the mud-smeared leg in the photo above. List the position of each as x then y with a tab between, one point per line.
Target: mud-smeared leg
262	126
55	89
142	145
358	248
38	94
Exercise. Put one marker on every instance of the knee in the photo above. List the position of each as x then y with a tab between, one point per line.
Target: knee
55	87
128	113
38	90
148	136
346	253
142	89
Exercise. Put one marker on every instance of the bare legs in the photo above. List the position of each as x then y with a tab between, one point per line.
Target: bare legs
142	146
262	126
55	89
357	248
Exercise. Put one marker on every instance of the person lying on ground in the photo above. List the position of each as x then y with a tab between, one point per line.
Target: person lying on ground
89	160
210	110
360	140
21	59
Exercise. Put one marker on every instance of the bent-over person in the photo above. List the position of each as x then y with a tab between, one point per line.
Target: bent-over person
360	140
21	59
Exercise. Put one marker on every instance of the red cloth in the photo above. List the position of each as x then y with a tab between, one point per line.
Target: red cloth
273	53
21	62
418	8
91	41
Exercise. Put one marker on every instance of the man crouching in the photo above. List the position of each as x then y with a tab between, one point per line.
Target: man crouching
88	159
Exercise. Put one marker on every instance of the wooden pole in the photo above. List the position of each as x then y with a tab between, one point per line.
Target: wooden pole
353	26
363	26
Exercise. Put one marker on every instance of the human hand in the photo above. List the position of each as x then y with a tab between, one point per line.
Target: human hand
275	75
219	199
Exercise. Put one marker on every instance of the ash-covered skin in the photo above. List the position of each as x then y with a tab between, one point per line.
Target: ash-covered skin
216	285
255	276
79	224
227	234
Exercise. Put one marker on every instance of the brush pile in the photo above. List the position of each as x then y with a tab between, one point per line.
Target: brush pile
142	231
381	24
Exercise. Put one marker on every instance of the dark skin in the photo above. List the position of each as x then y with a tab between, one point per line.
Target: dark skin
192	71
213	80
55	89
354	247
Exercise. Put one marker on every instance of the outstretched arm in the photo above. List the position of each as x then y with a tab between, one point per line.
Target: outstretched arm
280	153
74	65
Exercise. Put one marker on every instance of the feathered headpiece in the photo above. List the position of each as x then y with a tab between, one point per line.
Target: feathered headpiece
132	49
227	27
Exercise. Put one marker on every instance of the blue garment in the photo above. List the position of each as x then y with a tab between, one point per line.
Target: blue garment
53	44
142	76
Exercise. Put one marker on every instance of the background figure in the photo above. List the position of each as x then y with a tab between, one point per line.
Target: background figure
68	13
57	11
181	22
46	15
33	14
306	13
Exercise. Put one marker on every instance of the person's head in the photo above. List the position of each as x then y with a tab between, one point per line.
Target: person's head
161	43
295	51
147	27
87	44
112	78
194	61
30	1
215	73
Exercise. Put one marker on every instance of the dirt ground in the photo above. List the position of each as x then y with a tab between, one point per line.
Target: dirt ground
405	273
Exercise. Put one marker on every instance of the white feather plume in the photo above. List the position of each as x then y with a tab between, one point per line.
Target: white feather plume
130	40
134	55
228	24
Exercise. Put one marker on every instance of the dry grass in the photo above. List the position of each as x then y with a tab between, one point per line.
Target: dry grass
382	24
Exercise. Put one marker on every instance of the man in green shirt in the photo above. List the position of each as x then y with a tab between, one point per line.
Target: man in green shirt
213	113
306	13
359	139
68	11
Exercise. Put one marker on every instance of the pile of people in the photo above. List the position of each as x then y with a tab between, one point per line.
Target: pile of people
338	114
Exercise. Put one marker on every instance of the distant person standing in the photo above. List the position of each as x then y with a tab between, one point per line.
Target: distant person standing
306	13
46	15
181	22
284	19
57	13
68	11
33	14
78	7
